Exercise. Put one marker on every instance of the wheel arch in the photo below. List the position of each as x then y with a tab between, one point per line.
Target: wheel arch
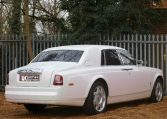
104	82
96	79
153	95
160	78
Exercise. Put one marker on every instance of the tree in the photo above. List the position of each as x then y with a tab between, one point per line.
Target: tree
45	17
6	10
27	29
15	20
89	17
49	15
82	16
1	17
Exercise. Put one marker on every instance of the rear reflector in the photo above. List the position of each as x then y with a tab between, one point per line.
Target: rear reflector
58	80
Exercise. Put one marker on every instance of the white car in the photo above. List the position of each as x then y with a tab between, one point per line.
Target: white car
91	76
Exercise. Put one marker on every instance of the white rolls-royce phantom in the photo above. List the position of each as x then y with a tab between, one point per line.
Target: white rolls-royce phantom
90	76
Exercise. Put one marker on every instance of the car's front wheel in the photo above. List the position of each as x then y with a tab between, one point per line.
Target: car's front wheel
97	99
157	92
34	107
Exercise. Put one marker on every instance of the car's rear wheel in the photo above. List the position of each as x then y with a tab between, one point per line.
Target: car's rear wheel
97	99
157	92
34	107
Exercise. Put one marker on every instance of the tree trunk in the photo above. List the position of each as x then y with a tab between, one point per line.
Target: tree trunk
15	25
27	33
1	17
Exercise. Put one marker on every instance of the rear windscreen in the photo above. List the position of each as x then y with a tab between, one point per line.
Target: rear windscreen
59	55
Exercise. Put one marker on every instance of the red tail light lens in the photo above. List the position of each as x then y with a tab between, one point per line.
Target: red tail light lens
58	80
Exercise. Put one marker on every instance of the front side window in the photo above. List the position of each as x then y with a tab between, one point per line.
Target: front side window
125	53
126	57
59	55
110	57
126	60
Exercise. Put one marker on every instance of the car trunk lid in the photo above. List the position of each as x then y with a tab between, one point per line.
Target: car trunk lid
38	74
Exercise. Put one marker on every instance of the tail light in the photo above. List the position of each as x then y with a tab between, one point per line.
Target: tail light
7	79
58	80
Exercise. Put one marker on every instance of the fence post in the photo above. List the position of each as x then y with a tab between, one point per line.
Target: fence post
149	50
166	64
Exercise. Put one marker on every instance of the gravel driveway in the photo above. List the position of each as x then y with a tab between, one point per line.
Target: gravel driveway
132	110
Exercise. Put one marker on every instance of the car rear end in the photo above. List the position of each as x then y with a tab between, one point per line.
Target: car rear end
43	88
38	83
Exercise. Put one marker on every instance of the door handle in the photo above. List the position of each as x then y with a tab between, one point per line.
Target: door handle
127	69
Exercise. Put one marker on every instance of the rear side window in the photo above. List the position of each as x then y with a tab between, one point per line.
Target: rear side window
110	57
59	55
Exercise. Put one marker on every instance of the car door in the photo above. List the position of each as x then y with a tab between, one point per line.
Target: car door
138	77
118	75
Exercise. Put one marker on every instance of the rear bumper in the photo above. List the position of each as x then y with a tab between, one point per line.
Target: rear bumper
40	95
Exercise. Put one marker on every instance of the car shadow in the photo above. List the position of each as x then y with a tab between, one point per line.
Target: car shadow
128	104
76	112
56	111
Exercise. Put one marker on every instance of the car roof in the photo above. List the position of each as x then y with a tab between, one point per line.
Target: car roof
83	47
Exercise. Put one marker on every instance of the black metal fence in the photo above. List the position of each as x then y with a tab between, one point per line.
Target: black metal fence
152	49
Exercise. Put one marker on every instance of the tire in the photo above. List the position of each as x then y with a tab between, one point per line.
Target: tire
34	107
97	99
157	92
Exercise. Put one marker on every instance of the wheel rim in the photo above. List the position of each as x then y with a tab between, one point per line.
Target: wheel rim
99	99
158	91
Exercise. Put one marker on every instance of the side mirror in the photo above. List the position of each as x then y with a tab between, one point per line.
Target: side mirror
139	62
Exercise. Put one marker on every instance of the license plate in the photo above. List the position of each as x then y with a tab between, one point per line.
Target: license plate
29	78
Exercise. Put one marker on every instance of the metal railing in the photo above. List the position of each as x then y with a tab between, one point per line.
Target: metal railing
152	49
